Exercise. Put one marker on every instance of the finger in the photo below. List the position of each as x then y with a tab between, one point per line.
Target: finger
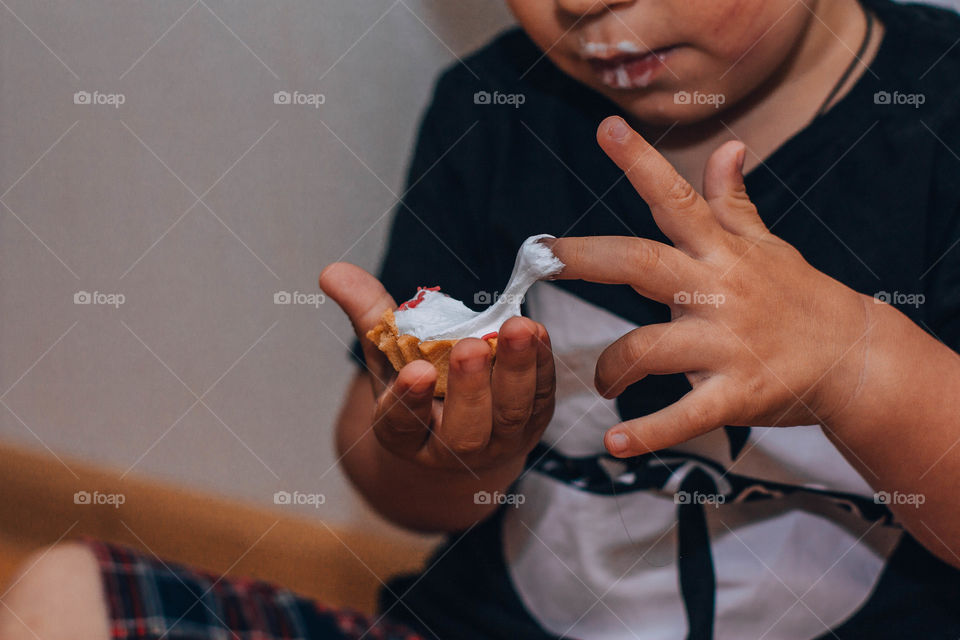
514	377
657	271
708	407
467	408
677	208
363	299
724	189
544	395
659	349
402	418
359	294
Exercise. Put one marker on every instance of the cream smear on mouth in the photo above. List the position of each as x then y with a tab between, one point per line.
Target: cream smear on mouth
594	49
432	315
624	64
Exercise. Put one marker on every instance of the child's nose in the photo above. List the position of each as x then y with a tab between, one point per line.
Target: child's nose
588	7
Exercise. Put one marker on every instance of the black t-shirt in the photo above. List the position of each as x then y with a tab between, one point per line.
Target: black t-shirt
869	193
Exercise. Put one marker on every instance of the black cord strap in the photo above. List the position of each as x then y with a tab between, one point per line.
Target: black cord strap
698	583
858	59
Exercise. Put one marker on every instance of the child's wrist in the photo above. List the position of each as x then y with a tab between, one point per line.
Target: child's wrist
842	383
869	377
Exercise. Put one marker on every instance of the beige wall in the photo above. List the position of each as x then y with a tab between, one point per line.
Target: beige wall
198	377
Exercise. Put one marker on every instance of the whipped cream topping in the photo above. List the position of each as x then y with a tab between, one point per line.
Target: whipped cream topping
602	49
432	315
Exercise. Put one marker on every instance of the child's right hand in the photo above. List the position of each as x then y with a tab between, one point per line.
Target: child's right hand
492	416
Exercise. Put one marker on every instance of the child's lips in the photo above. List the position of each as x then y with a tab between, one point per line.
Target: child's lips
630	70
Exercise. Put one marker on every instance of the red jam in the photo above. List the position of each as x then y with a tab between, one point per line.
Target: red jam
417	299
489	336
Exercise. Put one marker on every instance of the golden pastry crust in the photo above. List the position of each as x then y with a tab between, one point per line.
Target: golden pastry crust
404	349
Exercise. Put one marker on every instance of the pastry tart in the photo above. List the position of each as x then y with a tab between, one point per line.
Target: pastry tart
428	325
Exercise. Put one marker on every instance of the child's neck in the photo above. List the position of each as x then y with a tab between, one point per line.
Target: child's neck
788	101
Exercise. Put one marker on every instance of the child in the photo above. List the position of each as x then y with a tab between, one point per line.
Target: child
670	506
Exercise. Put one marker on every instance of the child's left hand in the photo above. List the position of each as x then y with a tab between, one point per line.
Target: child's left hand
764	338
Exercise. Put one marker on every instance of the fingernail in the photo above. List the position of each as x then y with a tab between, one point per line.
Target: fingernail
420	389
619	442
519	344
473	365
618	130
413	391
741	159
548	242
597	383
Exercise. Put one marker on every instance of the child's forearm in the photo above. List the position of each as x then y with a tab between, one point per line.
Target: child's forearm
901	429
404	492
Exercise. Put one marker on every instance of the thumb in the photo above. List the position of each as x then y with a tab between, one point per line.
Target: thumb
363	298
724	189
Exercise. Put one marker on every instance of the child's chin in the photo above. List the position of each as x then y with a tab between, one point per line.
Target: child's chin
666	111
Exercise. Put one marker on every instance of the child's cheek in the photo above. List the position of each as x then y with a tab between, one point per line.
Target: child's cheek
731	29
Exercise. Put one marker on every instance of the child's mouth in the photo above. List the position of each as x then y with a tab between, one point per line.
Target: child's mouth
630	70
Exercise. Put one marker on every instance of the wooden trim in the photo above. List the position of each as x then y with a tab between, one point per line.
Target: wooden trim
341	567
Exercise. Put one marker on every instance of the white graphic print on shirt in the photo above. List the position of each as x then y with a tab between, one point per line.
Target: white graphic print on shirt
589	564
